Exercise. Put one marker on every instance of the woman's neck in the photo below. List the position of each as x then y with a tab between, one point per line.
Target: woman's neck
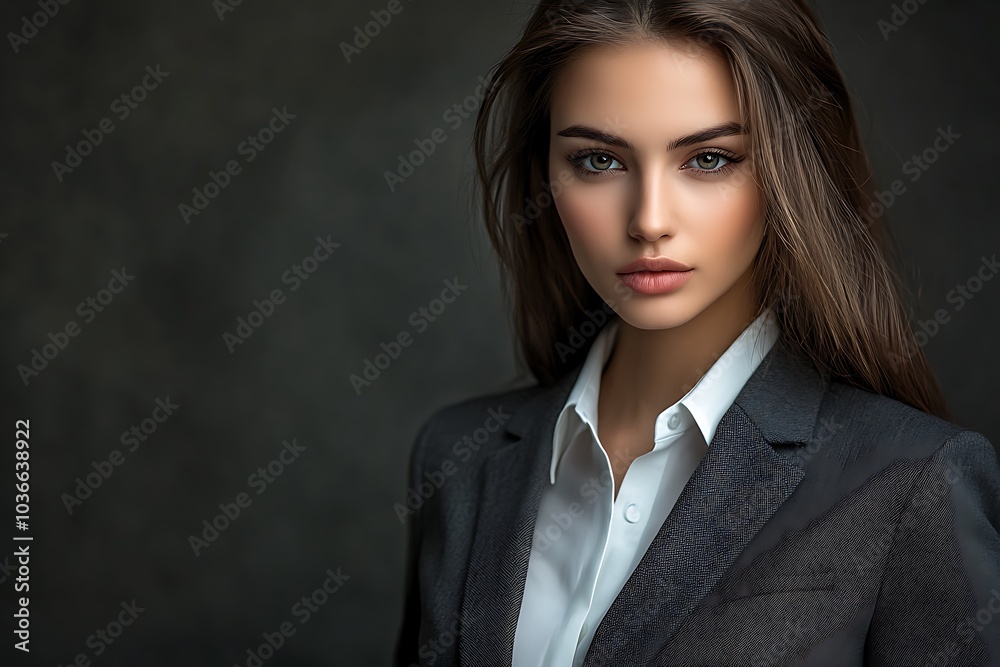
651	369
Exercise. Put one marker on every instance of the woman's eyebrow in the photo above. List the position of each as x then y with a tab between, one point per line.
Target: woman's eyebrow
586	132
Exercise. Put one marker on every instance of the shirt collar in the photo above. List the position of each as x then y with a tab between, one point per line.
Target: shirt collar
707	401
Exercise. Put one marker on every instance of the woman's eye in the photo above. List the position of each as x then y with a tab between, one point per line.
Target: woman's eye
708	161
600	162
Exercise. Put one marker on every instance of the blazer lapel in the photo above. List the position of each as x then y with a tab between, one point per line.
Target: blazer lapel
510	488
738	485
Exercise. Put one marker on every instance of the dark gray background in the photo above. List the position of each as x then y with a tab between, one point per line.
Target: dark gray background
323	175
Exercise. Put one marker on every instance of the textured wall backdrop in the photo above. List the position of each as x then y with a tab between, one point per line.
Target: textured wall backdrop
121	306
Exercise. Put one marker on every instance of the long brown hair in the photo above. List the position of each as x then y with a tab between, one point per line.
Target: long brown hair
825	267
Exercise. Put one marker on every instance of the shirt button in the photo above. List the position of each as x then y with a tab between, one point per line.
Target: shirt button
674	421
632	513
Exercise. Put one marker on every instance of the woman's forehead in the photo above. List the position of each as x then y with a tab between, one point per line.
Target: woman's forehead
656	90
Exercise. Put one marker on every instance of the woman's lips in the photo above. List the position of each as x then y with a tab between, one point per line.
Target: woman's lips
654	264
655	282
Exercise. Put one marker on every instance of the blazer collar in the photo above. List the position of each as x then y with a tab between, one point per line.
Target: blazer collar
740	482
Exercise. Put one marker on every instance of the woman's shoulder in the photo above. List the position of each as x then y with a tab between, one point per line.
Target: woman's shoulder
856	425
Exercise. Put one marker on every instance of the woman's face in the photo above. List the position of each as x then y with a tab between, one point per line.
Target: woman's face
651	159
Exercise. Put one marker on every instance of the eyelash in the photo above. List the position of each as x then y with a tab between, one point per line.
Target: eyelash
578	157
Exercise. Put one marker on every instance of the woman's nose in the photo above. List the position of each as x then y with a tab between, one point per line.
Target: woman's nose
651	210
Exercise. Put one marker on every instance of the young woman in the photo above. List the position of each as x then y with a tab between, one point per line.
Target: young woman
735	452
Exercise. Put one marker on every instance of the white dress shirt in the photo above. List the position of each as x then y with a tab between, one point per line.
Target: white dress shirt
587	542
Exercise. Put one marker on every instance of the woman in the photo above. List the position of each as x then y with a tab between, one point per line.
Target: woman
736	452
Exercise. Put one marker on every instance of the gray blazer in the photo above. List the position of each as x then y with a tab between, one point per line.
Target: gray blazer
825	525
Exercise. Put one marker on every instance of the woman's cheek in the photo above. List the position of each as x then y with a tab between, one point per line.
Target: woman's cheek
732	221
747	223
588	221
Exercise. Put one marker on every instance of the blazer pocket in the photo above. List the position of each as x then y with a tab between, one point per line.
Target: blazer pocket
804	582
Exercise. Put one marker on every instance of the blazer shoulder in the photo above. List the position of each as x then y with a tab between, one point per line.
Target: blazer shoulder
460	419
873	420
